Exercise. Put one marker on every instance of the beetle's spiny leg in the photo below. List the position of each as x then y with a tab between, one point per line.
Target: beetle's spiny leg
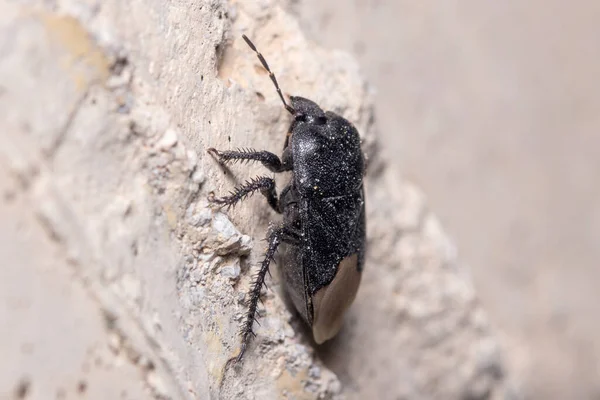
263	184
268	159
275	238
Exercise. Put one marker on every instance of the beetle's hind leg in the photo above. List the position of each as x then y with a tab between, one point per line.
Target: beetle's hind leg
268	159
283	233
263	184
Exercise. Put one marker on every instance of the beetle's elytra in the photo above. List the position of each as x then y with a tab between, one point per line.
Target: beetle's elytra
323	230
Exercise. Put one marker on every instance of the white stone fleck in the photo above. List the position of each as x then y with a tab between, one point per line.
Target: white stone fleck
168	140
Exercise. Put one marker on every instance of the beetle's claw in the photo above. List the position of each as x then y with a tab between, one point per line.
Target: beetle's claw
216	154
218	202
238	359
213	200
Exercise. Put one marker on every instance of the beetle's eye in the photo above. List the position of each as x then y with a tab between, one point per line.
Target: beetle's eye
321	120
301	117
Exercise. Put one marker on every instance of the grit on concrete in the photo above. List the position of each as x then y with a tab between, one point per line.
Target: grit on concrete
493	108
118	281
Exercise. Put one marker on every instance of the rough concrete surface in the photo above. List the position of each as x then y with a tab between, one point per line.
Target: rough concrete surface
119	281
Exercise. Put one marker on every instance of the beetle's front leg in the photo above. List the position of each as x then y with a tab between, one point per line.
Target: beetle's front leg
283	233
268	159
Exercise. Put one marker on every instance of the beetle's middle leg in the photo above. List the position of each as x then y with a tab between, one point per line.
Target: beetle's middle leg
283	233
263	184
268	159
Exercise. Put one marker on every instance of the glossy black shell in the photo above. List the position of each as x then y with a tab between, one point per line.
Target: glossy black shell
325	201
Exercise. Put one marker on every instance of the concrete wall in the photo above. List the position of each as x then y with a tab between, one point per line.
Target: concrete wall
119	281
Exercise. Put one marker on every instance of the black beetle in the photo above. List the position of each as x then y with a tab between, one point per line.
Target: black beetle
323	206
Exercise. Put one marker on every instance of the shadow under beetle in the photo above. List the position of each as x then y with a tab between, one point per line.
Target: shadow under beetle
323	231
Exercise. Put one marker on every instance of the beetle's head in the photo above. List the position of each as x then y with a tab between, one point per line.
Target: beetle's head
307	111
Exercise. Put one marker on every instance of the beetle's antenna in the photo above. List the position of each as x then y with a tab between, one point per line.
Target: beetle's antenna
271	74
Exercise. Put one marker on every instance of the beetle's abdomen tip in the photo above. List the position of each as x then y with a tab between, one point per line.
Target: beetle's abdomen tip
331	302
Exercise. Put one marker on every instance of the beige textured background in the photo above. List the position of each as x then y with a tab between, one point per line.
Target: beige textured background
494	109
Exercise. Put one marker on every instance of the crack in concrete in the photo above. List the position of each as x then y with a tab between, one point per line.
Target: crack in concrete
51	151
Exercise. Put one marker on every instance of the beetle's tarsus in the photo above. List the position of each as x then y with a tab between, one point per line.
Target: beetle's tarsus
214	201
241	355
215	153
